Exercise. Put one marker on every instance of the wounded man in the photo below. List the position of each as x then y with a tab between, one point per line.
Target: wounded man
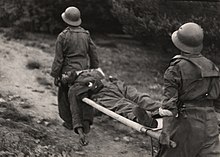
112	94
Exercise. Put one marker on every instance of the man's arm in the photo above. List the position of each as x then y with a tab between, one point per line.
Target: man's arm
217	105
94	62
58	59
169	105
142	99
171	85
217	109
217	101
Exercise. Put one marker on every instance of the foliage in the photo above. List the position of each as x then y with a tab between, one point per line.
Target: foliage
14	32
33	64
44	16
155	20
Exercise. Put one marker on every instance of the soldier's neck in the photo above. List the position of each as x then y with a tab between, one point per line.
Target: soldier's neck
190	55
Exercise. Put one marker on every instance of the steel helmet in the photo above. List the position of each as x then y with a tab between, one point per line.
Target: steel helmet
189	38
72	16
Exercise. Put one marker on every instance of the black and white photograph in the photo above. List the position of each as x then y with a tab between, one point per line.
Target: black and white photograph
109	78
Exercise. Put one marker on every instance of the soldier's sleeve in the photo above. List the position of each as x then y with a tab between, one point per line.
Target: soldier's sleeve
94	62
142	99
58	59
172	81
217	109
217	105
217	101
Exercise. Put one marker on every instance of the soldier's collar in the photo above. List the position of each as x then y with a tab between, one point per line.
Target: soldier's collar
188	55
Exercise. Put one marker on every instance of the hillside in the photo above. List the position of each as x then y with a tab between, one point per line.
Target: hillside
29	119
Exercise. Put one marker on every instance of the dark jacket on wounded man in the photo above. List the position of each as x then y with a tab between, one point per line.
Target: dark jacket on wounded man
112	94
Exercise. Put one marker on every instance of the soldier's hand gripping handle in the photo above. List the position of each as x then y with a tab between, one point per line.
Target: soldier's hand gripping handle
57	82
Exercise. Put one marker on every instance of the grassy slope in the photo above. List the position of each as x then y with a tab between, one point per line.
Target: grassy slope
139	65
127	59
131	61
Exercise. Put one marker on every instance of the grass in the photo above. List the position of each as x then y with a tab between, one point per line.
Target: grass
139	65
136	65
19	135
128	60
32	64
43	81
42	41
11	113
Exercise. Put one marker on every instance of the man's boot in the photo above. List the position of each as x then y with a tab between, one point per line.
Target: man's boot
68	126
143	118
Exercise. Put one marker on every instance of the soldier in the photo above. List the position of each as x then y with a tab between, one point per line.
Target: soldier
112	94
75	51
192	98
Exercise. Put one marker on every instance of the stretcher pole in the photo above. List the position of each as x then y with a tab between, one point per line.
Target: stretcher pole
130	123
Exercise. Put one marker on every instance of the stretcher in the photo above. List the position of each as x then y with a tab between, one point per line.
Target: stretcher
152	132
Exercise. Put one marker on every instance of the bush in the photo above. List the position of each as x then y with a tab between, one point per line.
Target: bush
15	32
32	64
43	81
45	16
155	20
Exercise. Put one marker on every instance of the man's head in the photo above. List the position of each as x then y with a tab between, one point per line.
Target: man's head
72	16
189	38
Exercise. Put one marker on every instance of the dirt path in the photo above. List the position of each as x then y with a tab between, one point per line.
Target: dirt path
20	85
17	79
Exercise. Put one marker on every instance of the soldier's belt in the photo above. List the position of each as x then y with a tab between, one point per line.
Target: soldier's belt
197	103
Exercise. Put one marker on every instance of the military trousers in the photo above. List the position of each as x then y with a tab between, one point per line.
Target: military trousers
63	104
196	134
80	111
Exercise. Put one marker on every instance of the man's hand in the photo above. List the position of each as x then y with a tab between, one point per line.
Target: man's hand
165	113
57	82
69	77
101	72
164	139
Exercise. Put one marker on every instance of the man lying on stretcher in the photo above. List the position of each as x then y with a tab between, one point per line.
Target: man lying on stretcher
112	94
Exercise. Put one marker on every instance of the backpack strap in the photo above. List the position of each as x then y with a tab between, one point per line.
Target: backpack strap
206	71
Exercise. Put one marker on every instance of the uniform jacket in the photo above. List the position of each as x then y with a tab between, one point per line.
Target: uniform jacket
191	79
75	50
191	89
114	95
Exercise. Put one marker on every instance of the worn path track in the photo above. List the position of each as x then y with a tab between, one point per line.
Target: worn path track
17	80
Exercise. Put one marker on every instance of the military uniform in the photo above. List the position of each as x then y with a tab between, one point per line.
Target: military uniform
74	51
110	93
192	94
121	98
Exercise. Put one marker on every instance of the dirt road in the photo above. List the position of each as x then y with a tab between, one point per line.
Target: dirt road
32	92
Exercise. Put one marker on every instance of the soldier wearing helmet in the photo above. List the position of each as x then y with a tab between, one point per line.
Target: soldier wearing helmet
75	51
191	99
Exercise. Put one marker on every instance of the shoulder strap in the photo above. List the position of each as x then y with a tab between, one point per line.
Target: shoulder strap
211	70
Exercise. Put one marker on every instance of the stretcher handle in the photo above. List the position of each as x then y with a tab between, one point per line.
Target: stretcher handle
156	136
130	123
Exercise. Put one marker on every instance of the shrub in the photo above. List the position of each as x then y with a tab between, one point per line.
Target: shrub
32	64
43	81
44	16
15	32
155	20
